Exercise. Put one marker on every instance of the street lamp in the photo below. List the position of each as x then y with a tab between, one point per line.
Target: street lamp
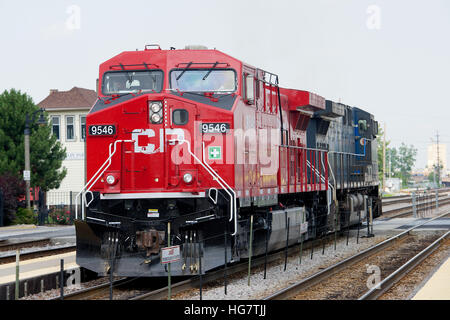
26	174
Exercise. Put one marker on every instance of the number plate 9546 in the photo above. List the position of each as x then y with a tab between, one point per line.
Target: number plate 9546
102	130
215	127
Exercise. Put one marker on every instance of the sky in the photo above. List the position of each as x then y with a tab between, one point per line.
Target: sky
391	58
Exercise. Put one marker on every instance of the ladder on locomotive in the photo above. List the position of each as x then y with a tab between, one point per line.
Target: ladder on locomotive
271	82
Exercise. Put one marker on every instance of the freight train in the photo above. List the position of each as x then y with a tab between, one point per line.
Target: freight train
192	148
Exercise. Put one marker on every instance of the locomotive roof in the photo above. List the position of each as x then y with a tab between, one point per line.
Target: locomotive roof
155	58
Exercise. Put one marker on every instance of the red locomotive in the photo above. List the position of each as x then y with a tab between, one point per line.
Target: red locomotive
197	141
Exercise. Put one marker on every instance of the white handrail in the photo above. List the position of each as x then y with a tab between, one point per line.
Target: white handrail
217	178
224	182
96	176
317	173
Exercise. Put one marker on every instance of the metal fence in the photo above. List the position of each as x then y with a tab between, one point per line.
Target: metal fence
58	208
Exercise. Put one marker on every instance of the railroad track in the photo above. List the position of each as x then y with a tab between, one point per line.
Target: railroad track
396	276
95	292
194	282
233	271
318	278
6	245
386	202
393	199
37	254
408	209
102	291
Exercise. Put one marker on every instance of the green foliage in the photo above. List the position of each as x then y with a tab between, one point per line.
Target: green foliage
59	216
12	189
406	159
433	175
400	161
380	152
25	216
46	153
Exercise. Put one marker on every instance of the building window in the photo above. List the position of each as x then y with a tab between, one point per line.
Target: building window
55	126
70	128
83	127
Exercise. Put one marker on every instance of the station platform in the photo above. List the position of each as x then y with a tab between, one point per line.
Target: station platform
36	267
395	225
60	236
35	232
438	285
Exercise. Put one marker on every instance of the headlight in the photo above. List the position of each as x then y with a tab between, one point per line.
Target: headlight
110	179
155	107
187	178
156	118
155	111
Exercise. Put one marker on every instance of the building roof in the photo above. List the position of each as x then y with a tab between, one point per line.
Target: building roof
75	98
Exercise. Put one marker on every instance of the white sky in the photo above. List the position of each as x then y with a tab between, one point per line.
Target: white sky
399	72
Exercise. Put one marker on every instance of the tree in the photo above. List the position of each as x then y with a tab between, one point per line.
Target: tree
400	161
46	153
12	188
406	160
380	152
433	175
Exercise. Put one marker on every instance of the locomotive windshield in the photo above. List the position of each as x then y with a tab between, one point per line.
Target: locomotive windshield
203	80
121	82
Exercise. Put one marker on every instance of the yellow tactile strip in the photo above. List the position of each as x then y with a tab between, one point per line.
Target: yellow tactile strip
69	263
18	227
438	286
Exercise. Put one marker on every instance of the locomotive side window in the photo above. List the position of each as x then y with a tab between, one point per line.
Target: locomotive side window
120	82
249	88
180	117
203	80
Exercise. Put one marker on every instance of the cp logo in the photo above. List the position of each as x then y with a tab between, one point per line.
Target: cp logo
142	139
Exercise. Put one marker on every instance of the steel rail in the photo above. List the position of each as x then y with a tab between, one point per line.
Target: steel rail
180	286
421	206
408	199
397	275
37	254
7	245
213	276
408	196
328	272
87	293
193	283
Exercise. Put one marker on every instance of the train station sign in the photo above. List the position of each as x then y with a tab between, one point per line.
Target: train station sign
26	175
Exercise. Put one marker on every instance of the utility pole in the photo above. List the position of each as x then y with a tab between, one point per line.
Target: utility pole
438	162
384	157
390	164
29	120
27	164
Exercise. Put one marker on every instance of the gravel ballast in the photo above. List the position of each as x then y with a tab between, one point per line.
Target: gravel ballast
277	278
